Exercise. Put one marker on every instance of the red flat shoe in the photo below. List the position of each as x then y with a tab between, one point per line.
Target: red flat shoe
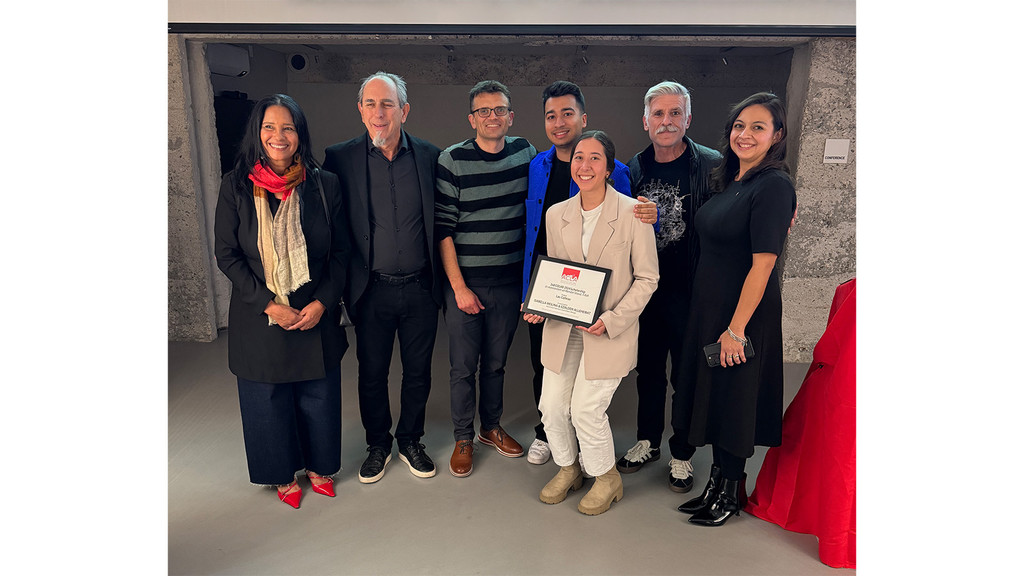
291	498
326	488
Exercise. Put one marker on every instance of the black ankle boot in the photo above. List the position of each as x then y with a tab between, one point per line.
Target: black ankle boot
724	505
714	483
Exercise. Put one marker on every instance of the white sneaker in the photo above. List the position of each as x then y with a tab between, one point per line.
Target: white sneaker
539	453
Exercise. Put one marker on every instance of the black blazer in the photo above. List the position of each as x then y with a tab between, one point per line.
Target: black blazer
348	160
256	350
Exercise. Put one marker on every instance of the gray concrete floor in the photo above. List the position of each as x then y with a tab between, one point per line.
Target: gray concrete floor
491	522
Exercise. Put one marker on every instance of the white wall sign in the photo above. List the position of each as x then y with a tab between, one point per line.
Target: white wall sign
837	150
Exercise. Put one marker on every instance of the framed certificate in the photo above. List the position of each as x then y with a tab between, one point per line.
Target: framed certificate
567	291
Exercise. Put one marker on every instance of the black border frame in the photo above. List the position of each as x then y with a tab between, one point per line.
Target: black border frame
600	297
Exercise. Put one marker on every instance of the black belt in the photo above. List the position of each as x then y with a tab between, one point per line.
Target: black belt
396	280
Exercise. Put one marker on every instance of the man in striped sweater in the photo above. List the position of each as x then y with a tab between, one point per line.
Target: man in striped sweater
480	219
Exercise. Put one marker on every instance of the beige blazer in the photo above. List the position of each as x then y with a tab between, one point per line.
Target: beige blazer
625	246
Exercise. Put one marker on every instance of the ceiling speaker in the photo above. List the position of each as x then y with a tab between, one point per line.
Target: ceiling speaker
298	62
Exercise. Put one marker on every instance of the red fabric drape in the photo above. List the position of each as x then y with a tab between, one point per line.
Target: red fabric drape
809	483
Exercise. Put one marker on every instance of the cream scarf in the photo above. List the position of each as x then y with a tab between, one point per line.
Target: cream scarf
282	245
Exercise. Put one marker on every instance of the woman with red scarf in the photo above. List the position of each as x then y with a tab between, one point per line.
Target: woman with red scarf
280	240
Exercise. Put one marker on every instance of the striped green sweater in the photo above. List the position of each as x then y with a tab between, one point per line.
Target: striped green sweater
481	204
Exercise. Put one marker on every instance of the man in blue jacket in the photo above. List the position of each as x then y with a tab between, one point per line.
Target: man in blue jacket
565	118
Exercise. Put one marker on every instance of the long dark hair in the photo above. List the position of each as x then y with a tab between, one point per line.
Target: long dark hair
606	143
251	148
776	156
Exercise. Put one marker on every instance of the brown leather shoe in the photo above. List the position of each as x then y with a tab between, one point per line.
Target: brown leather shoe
502	442
462	459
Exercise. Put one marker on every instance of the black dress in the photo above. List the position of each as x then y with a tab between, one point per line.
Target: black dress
736	408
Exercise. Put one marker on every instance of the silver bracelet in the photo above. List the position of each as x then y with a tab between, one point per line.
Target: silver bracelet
735	337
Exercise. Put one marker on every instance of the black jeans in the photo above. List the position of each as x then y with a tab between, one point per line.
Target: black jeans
385	310
661	325
483	340
291	426
682	407
536	342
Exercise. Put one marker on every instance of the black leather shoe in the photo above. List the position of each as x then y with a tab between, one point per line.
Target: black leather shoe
419	463
641	453
373	467
680	477
724	505
714	483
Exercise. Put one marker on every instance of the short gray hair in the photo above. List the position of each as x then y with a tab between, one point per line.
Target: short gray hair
403	95
666	88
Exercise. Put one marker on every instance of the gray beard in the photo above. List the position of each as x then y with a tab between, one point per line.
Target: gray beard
379	140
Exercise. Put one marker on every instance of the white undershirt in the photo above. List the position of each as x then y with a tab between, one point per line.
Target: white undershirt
589	222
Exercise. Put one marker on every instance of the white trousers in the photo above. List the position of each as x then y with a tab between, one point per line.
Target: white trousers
574	408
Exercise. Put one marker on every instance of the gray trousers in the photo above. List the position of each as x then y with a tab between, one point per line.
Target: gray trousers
479	343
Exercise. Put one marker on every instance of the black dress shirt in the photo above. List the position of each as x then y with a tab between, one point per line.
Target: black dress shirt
399	244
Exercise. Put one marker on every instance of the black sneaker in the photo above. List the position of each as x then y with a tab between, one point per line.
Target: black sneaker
681	477
637	456
419	463
373	467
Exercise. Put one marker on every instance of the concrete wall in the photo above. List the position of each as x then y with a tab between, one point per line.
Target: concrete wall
822	251
191	313
816	77
614	80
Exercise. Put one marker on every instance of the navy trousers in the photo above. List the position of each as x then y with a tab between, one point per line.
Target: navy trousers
290	427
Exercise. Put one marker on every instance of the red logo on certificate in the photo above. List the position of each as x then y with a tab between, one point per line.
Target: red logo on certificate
570	275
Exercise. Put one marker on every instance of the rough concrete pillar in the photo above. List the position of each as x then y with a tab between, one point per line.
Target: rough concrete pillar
190	313
822	251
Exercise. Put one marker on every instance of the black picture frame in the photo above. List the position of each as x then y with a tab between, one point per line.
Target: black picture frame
540	301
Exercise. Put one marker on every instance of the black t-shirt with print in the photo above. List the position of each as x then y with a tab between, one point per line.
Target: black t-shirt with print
668	185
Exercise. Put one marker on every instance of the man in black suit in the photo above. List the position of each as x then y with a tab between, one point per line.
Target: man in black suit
387	181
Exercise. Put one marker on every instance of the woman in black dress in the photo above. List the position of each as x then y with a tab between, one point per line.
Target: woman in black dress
737	298
280	240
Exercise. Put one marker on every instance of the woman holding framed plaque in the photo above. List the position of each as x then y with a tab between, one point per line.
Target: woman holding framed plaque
583	365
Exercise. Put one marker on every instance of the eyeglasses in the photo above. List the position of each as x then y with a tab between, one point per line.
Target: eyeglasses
485	112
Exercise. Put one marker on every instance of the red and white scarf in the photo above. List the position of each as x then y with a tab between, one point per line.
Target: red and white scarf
280	240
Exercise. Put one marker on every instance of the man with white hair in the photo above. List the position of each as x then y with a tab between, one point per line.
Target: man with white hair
674	173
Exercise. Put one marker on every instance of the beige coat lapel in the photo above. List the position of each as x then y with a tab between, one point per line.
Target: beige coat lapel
572	229
604	228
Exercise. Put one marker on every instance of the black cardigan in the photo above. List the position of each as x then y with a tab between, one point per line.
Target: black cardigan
256	350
